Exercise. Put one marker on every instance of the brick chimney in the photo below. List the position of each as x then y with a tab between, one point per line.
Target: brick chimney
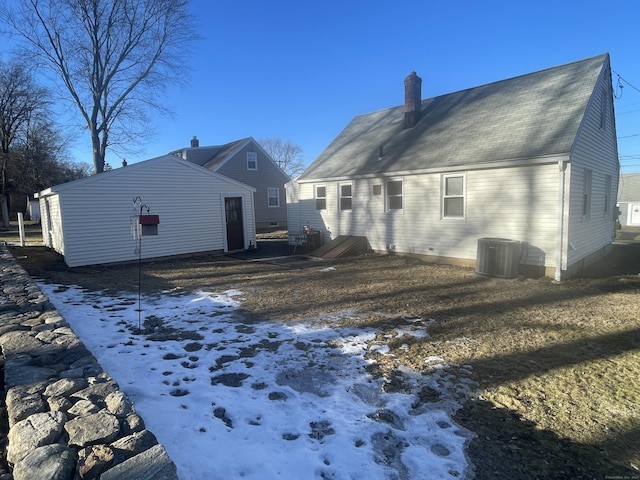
195	143
412	100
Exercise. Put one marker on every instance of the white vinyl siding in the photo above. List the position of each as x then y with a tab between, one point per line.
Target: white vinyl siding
517	203
594	151
51	218
96	212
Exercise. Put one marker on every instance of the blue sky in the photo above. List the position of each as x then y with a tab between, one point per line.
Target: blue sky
301	70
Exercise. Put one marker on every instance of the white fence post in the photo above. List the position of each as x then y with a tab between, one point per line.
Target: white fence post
21	228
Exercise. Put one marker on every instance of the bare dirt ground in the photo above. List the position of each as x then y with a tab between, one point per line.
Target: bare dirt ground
557	366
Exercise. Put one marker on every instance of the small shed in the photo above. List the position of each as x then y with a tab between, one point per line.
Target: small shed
106	218
33	210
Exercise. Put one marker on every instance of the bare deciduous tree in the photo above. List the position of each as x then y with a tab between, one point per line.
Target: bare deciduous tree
113	57
287	155
39	155
20	99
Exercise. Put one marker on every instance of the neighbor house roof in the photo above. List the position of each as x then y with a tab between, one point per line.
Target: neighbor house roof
629	187
526	117
212	157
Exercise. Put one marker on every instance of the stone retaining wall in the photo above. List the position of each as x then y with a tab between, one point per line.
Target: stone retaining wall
67	417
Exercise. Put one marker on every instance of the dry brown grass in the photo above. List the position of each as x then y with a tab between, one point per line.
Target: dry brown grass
557	366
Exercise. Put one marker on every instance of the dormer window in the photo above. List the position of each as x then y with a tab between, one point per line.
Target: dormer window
252	161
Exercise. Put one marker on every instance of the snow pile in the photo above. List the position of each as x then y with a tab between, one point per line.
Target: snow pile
233	399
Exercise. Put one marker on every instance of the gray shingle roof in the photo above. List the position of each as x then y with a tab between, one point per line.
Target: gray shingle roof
521	118
629	187
212	157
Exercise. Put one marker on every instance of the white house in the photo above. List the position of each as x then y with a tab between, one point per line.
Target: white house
532	159
183	207
629	199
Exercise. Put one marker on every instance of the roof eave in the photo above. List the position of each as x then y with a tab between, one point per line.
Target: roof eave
511	163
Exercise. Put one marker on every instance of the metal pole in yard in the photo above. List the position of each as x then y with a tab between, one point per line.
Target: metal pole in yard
139	281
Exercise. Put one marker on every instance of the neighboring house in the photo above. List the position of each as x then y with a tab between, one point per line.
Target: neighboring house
531	159
629	199
96	219
245	161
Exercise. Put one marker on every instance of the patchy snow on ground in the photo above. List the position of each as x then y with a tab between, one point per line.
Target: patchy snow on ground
233	399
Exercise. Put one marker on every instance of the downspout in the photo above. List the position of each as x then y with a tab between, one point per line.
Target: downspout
560	237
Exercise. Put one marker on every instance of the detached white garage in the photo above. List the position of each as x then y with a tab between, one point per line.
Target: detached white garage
156	208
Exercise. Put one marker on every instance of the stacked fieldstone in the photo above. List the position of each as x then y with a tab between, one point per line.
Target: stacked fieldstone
67	417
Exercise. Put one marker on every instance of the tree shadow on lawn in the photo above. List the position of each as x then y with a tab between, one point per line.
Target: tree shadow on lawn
539	383
532	375
510	447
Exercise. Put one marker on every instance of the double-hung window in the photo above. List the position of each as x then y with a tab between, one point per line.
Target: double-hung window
603	108
252	161
453	196
346	196
321	197
586	193
394	195
607	195
273	195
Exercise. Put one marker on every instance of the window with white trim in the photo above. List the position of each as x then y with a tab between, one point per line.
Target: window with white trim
586	193
453	190
393	195
603	108
346	196
607	195
252	161
321	197
273	195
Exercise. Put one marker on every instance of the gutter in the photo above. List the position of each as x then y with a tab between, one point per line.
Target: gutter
562	165
518	162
